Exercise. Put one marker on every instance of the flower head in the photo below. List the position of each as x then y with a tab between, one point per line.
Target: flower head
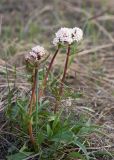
36	54
77	34
63	36
68	36
39	50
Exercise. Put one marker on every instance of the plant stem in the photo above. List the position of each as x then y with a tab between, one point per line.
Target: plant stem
32	140
33	93
56	106
63	79
37	99
49	68
65	71
30	130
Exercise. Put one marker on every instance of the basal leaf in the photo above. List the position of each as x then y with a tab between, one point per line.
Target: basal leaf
82	147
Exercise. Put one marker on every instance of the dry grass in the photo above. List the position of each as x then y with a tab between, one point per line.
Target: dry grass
92	72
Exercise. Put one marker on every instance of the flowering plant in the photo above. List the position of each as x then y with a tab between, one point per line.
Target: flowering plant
49	132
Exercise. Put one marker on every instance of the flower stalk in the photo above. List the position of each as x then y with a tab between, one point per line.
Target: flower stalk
65	71
37	98
34	58
49	68
33	92
63	78
30	128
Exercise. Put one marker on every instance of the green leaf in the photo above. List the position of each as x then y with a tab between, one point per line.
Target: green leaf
82	147
23	148
52	118
21	106
76	155
19	156
40	137
55	122
76	128
49	131
63	136
43	105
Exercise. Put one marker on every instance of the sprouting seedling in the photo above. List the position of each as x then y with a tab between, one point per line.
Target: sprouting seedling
34	58
67	37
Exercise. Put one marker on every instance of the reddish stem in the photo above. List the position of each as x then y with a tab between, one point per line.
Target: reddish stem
63	78
65	71
33	93
56	106
49	68
30	129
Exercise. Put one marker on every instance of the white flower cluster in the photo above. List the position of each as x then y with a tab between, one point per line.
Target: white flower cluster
68	36
36	54
77	34
63	35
